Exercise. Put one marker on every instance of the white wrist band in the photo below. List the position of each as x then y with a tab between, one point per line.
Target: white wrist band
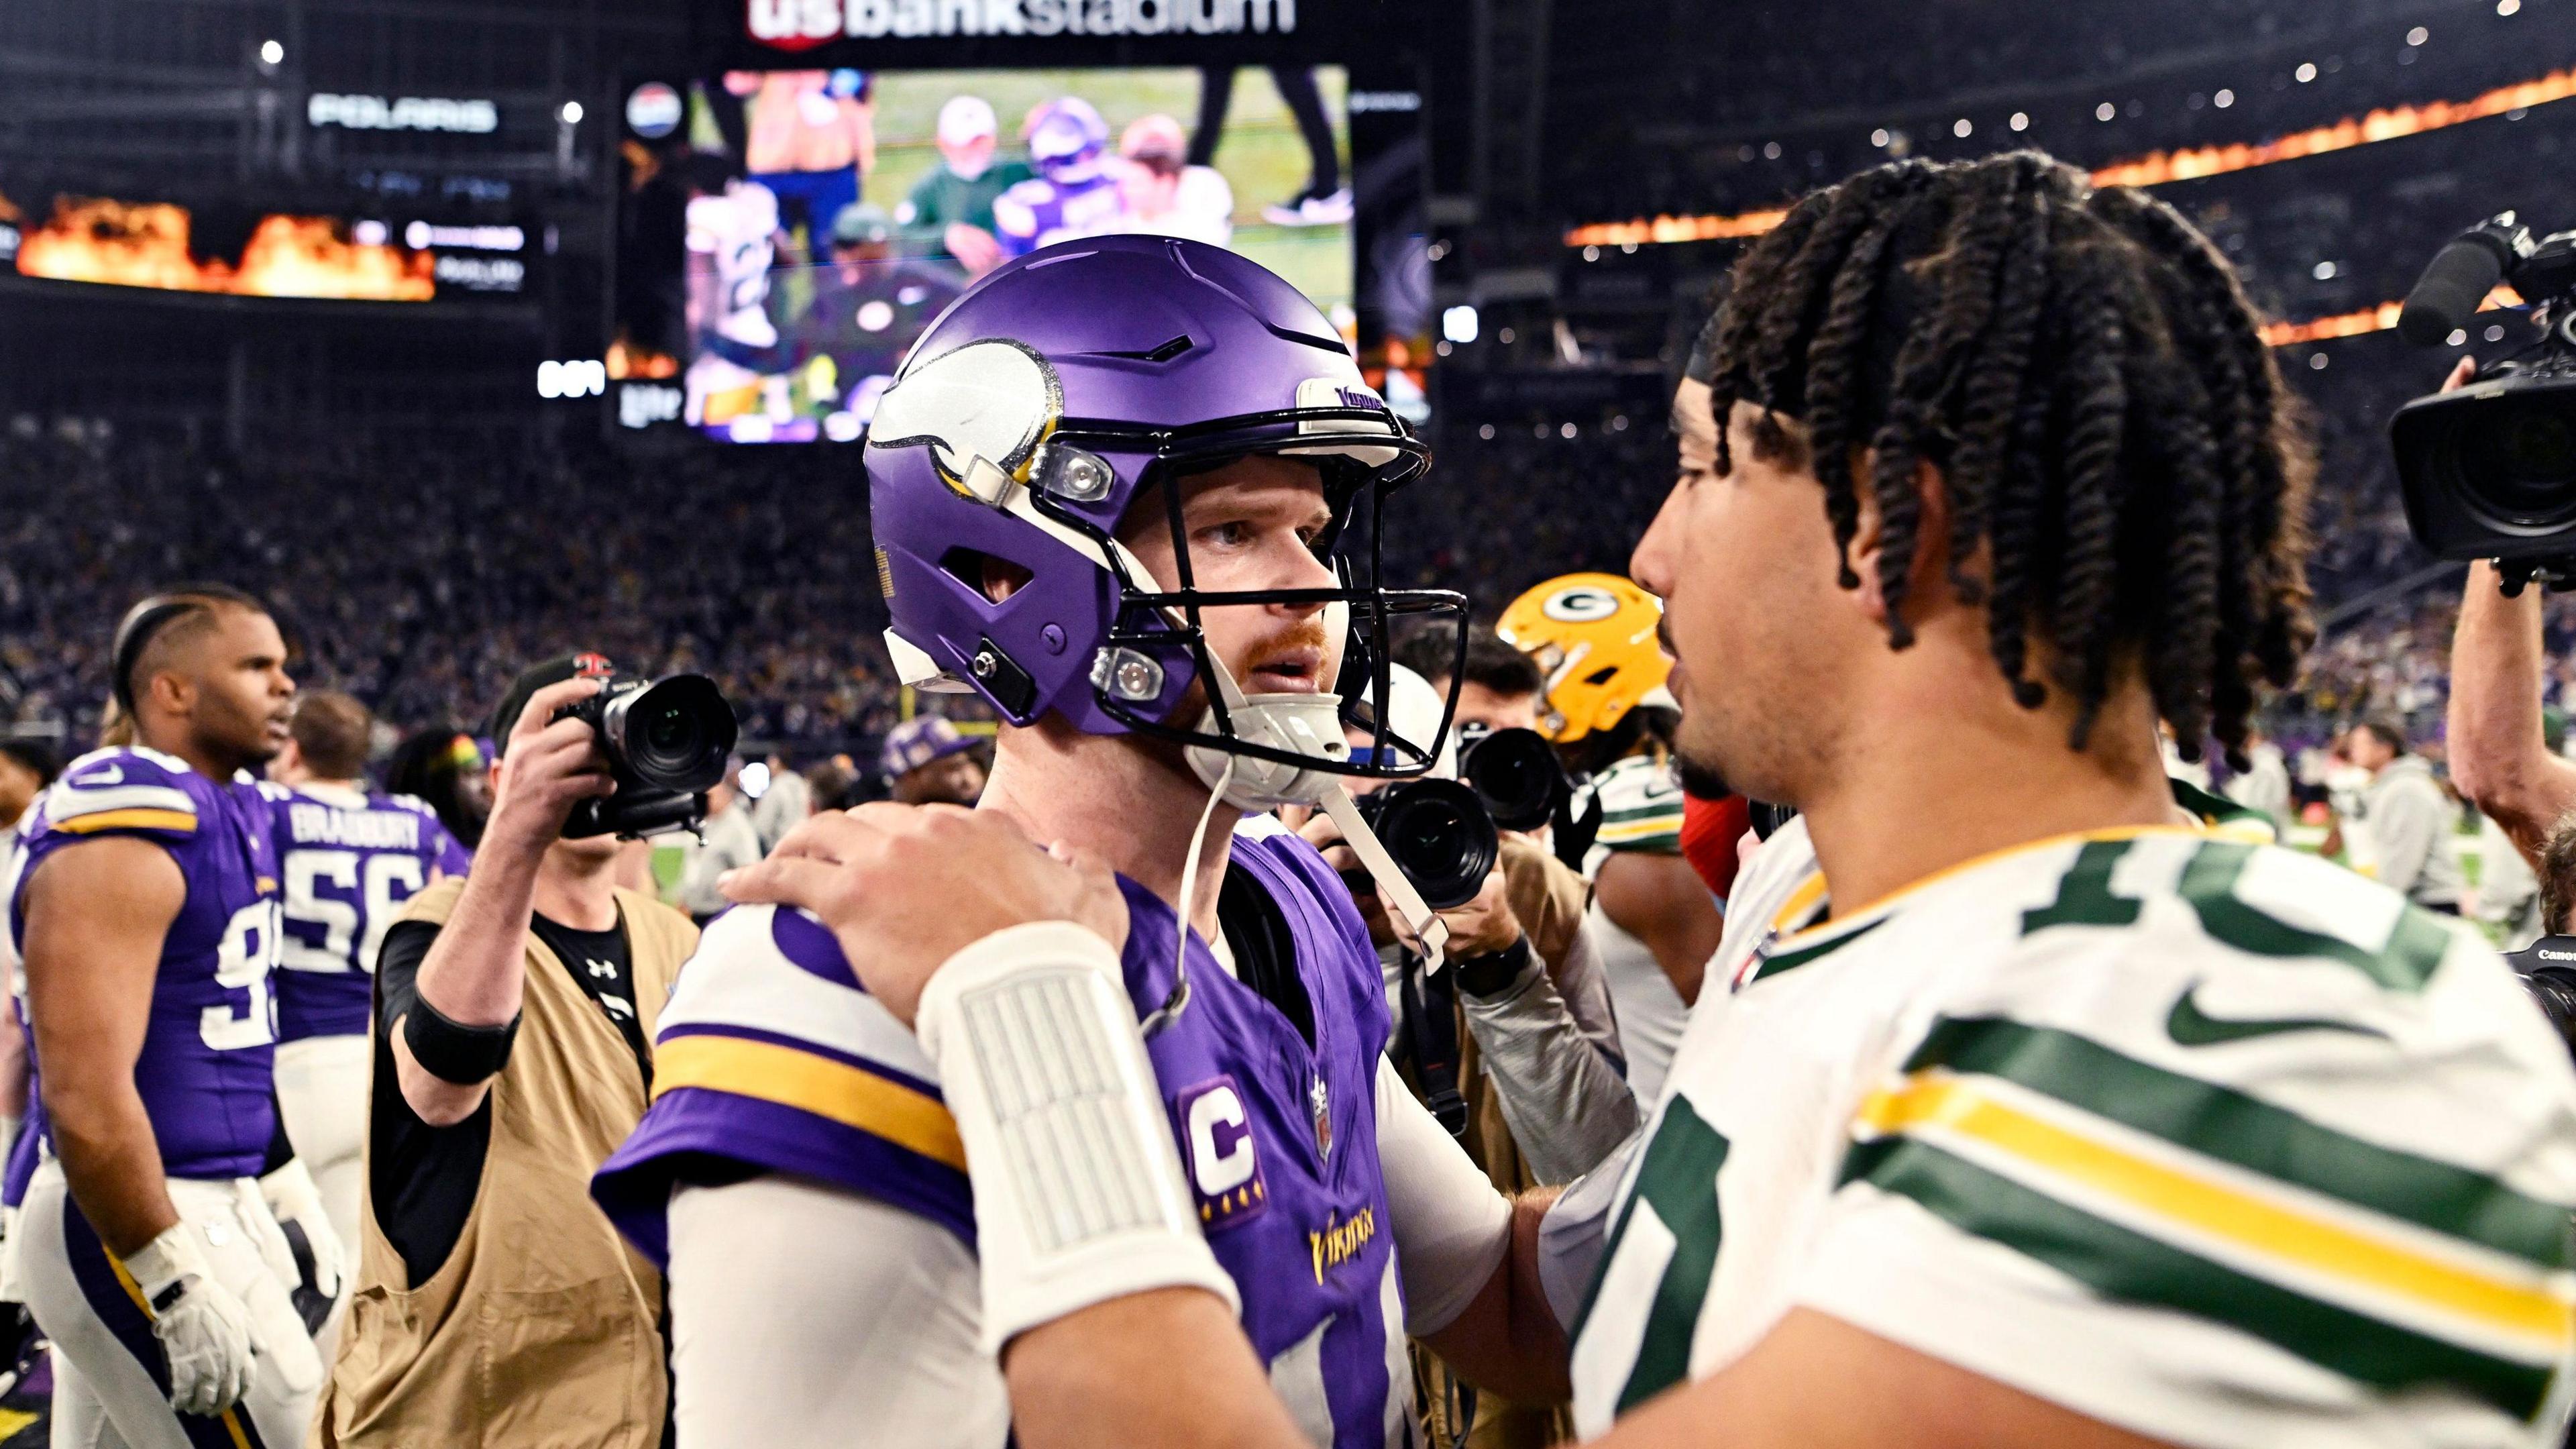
1078	1191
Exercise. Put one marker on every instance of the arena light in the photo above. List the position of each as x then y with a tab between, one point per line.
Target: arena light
2369	319
580	377
2160	167
1459	325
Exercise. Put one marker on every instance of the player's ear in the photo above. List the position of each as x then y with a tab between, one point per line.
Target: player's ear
1929	570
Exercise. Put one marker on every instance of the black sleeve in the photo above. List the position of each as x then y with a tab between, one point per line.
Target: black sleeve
406	945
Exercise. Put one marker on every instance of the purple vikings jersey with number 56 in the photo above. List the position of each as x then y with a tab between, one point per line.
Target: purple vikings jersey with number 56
772	1058
204	1073
347	862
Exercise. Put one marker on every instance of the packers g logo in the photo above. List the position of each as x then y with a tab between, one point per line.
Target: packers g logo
1582	604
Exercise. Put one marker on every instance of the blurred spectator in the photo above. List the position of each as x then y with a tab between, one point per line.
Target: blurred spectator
27	766
1166	196
726	841
2409	817
2265	786
950	209
926	761
788	800
442	767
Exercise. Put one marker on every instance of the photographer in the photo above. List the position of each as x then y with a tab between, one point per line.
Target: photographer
2500	756
494	1305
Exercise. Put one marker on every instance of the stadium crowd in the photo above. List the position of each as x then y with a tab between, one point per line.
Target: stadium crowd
751	564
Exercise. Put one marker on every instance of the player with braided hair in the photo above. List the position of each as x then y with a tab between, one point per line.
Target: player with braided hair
2064	1118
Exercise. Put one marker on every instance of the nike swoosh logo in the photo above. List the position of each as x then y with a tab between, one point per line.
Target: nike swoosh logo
105	775
2189	1026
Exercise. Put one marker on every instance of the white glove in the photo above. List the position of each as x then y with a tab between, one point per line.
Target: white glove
204	1329
294	1201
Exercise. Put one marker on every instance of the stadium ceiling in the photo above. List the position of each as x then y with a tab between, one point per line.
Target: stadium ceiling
131	89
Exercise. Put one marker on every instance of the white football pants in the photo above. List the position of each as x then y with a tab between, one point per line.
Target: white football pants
111	1382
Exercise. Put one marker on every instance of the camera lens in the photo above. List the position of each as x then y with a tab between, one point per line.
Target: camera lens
1516	774
1440	836
2520	468
675	733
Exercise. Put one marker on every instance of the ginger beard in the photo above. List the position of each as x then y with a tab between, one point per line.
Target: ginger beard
1760	630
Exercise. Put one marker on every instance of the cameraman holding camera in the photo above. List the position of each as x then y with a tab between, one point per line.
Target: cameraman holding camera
514	1011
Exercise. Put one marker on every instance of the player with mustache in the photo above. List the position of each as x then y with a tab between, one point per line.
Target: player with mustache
2070	1124
1167	427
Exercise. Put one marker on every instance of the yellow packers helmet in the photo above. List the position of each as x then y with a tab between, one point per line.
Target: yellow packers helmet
1593	639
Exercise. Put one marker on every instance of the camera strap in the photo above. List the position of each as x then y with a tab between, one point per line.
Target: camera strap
1404	904
1431	1041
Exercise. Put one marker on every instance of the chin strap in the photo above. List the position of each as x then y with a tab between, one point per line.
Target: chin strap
1179	1001
1405	905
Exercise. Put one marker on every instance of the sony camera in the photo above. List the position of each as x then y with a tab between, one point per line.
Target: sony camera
1439	835
667	741
2489	471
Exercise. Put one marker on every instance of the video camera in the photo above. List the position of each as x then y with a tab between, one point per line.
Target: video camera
2489	470
667	741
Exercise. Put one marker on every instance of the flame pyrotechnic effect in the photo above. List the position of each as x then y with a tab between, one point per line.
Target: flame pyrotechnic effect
2156	168
129	245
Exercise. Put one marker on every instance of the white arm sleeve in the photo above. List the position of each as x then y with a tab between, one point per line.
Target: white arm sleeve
1451	1228
798	1308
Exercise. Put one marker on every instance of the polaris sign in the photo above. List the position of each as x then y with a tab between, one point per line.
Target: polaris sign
804	24
407	113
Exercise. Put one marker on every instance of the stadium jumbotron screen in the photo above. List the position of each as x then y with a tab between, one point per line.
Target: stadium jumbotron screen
825	217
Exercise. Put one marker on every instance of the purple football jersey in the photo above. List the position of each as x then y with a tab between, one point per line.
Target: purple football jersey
770	1058
1039	212
208	1051
346	863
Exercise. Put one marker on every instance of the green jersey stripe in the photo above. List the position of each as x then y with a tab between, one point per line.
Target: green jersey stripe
2221	1123
1792	960
2130	1267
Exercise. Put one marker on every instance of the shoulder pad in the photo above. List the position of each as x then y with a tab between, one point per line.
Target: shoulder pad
128	789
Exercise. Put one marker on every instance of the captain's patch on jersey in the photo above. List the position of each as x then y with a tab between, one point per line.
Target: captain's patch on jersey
1224	1164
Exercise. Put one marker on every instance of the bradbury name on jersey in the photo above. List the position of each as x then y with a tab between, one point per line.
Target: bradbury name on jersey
314	823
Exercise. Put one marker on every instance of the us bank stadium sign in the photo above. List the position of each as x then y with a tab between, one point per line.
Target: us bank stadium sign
802	24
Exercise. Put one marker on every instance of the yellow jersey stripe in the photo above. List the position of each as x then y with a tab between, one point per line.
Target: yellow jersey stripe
127	820
834	1091
2282	1233
231	1417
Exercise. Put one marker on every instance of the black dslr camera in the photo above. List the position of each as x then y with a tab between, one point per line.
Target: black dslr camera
1439	835
1515	772
2489	471
667	741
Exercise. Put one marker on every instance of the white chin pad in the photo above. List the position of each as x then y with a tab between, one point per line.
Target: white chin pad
1300	724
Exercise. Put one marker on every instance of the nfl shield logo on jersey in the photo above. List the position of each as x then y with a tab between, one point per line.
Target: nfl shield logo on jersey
1224	1167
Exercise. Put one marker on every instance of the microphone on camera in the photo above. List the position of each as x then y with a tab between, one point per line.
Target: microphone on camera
2459	278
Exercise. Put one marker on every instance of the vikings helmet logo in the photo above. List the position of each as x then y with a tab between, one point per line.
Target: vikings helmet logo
993	400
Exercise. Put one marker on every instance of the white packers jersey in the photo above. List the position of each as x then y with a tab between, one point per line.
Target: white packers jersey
1641	811
2214	1141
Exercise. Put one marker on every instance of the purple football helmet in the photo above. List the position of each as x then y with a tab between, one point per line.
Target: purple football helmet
1067	139
1039	406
